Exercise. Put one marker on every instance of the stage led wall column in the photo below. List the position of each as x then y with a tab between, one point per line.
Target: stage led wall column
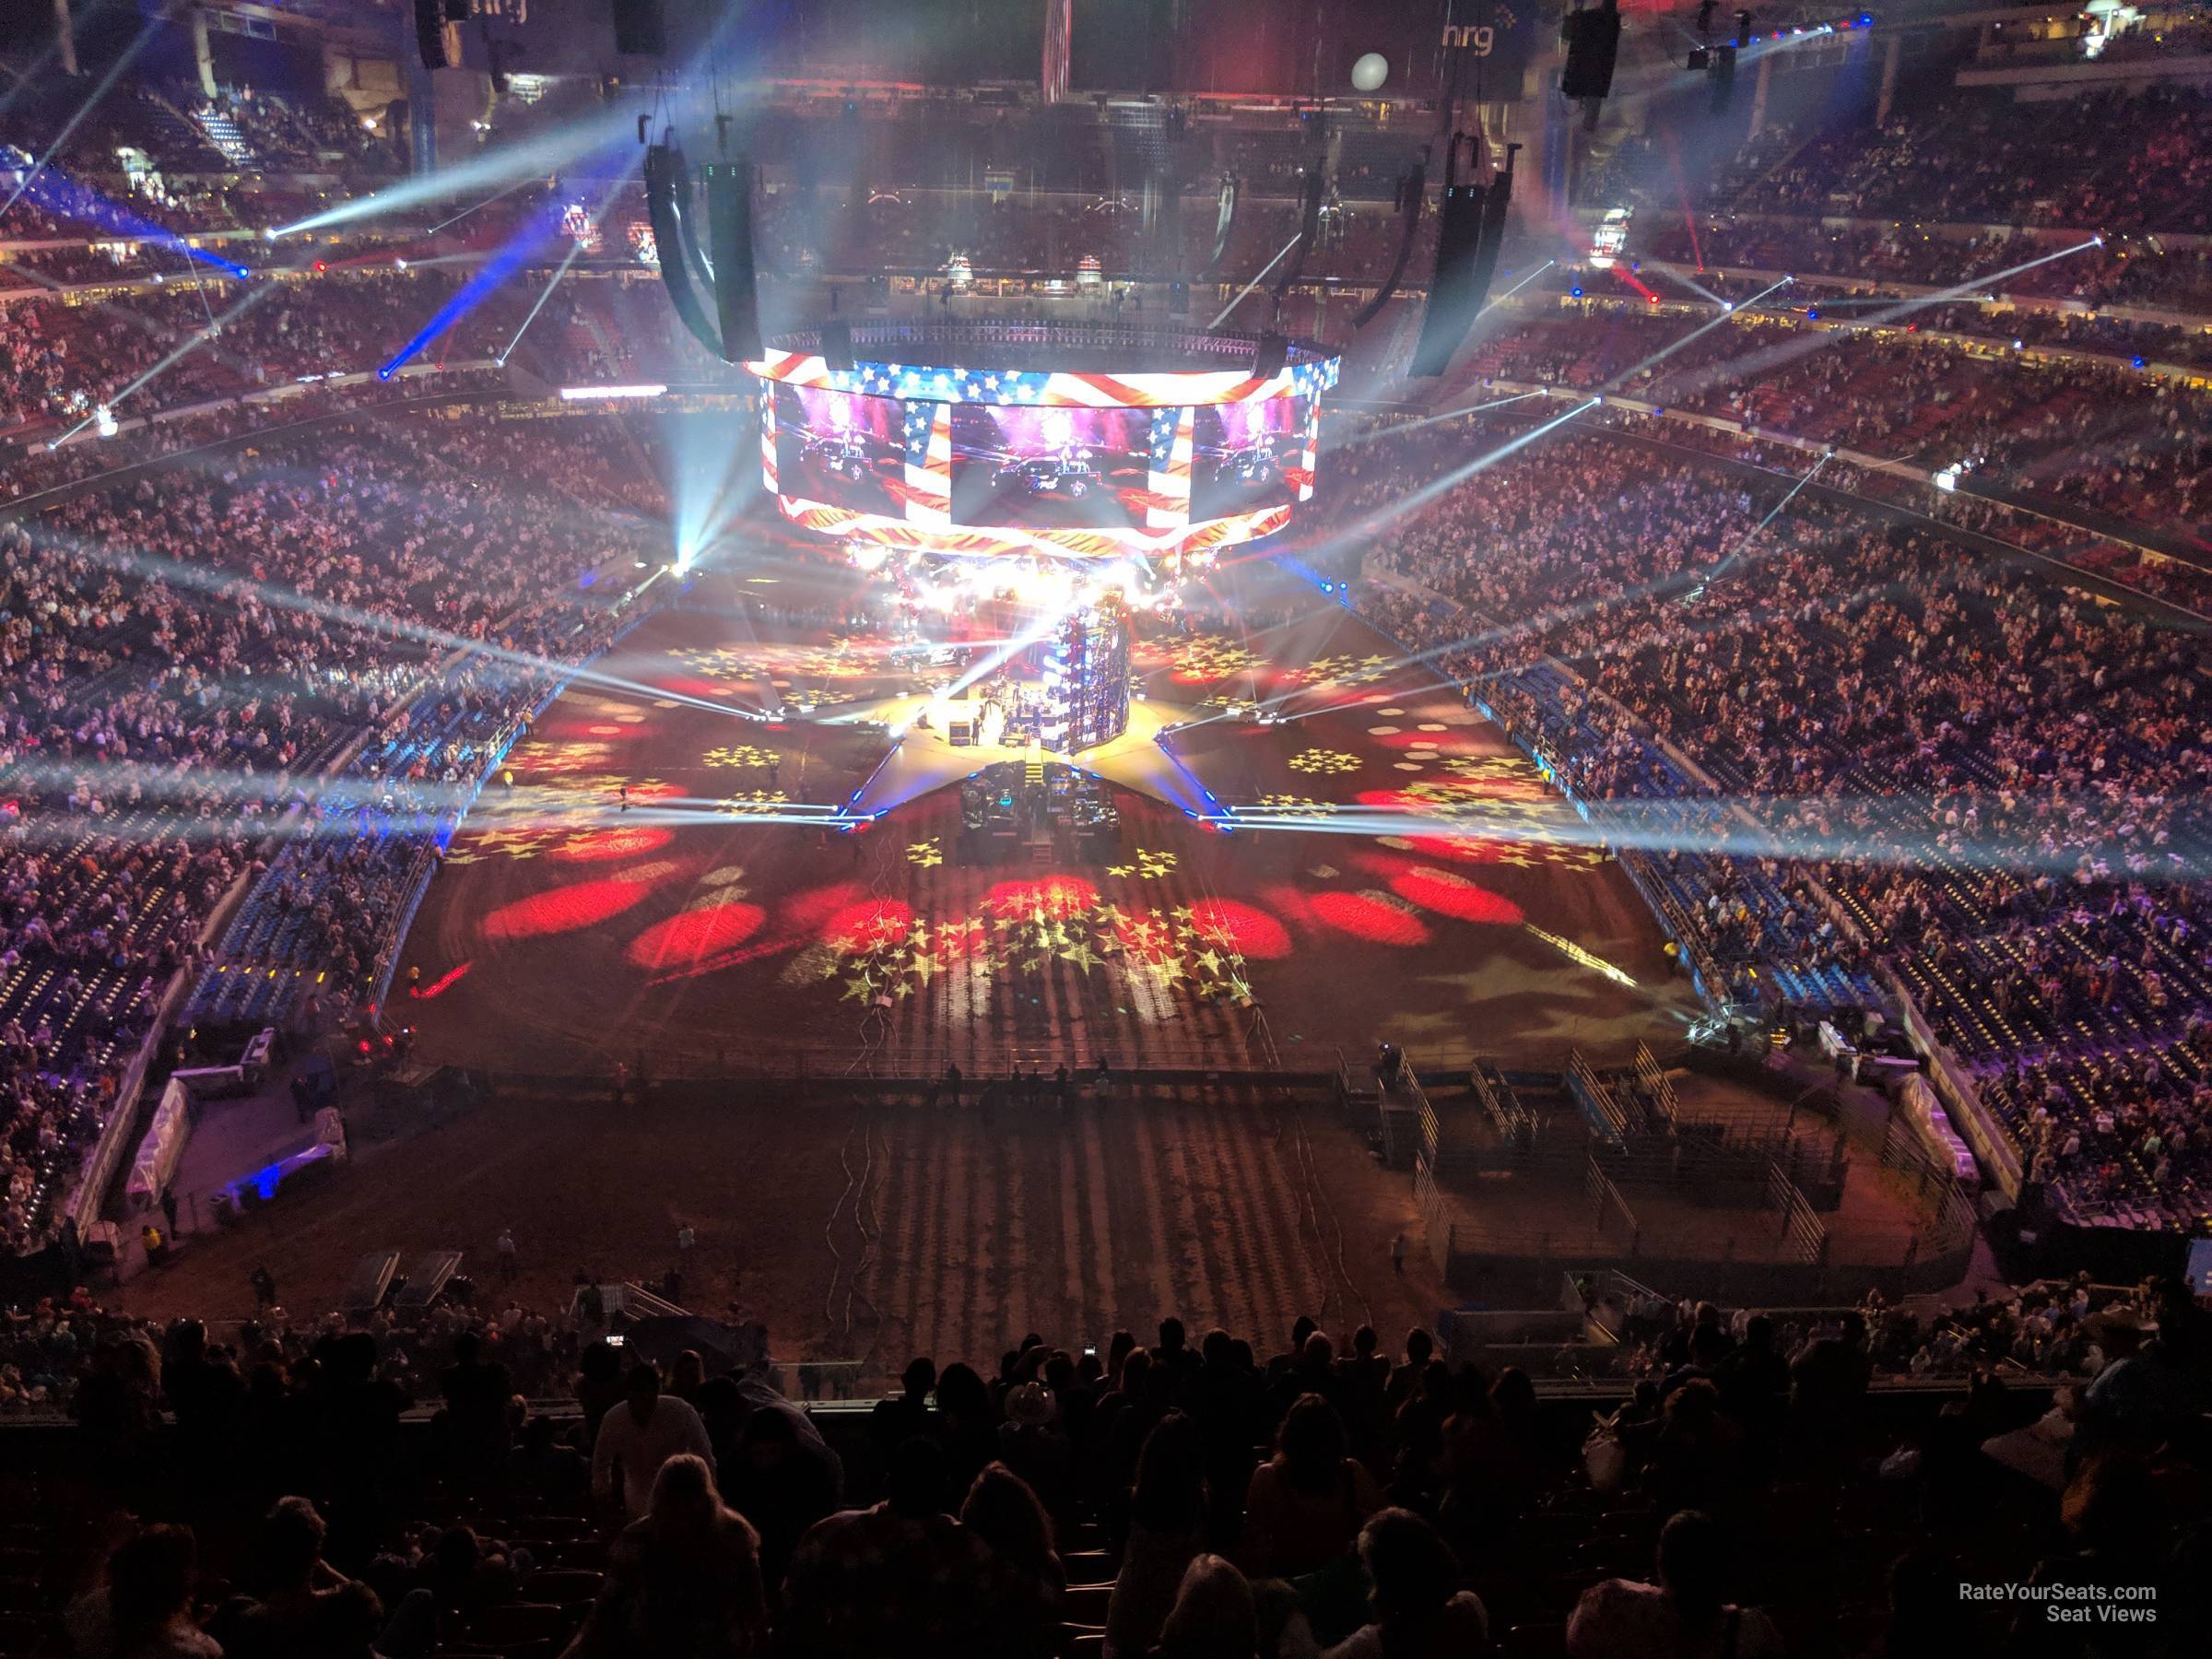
1087	679
976	461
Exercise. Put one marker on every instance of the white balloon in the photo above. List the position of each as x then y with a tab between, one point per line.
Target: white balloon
1370	72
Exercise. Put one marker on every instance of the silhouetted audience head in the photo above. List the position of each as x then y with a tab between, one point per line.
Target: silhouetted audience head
150	1580
1003	1510
1310	1446
1214	1615
914	1485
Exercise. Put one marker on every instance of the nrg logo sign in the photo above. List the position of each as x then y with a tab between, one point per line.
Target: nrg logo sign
1480	39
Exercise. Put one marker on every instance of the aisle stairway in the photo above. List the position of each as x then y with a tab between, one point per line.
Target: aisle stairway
223	132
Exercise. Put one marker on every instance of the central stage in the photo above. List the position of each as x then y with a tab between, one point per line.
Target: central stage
803	895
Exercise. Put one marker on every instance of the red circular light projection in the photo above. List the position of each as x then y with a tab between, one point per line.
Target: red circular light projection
1451	895
599	845
1251	933
810	912
1372	917
864	926
1059	897
688	938
564	910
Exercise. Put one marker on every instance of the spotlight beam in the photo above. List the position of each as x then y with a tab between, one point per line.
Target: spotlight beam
560	271
192	343
1698	288
492	275
1256	281
1664	352
1361	529
488	201
1517	287
1733	553
1382	433
1789	351
218	583
512	165
987	666
1741	826
29	76
518	251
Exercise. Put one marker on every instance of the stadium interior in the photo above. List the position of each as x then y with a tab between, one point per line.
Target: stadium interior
1105	828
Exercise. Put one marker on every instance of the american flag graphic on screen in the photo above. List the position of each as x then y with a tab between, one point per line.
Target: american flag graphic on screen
1170	481
929	462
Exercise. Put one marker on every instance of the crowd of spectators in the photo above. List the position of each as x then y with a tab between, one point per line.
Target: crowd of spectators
68	360
2052	1328
2017	846
2075	433
1207	1498
184	651
2128	271
1956	154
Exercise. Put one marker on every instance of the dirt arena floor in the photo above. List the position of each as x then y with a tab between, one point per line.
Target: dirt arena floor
653	889
1416	879
867	1232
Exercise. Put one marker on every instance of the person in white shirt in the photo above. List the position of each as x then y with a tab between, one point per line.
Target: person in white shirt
640	1435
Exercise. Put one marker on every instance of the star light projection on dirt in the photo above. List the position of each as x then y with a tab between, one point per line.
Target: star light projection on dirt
805	676
1154	958
1161	949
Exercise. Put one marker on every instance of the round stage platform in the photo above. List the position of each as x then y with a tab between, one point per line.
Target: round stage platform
1072	441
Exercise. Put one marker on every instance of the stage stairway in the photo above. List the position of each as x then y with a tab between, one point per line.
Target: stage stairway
1039	836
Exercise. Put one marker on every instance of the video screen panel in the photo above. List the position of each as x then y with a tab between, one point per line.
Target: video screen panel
1244	455
840	449
1049	469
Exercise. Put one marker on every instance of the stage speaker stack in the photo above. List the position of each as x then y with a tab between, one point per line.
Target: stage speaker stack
836	346
730	240
1592	39
667	194
638	32
1720	79
1270	357
1470	230
430	33
1412	192
725	264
